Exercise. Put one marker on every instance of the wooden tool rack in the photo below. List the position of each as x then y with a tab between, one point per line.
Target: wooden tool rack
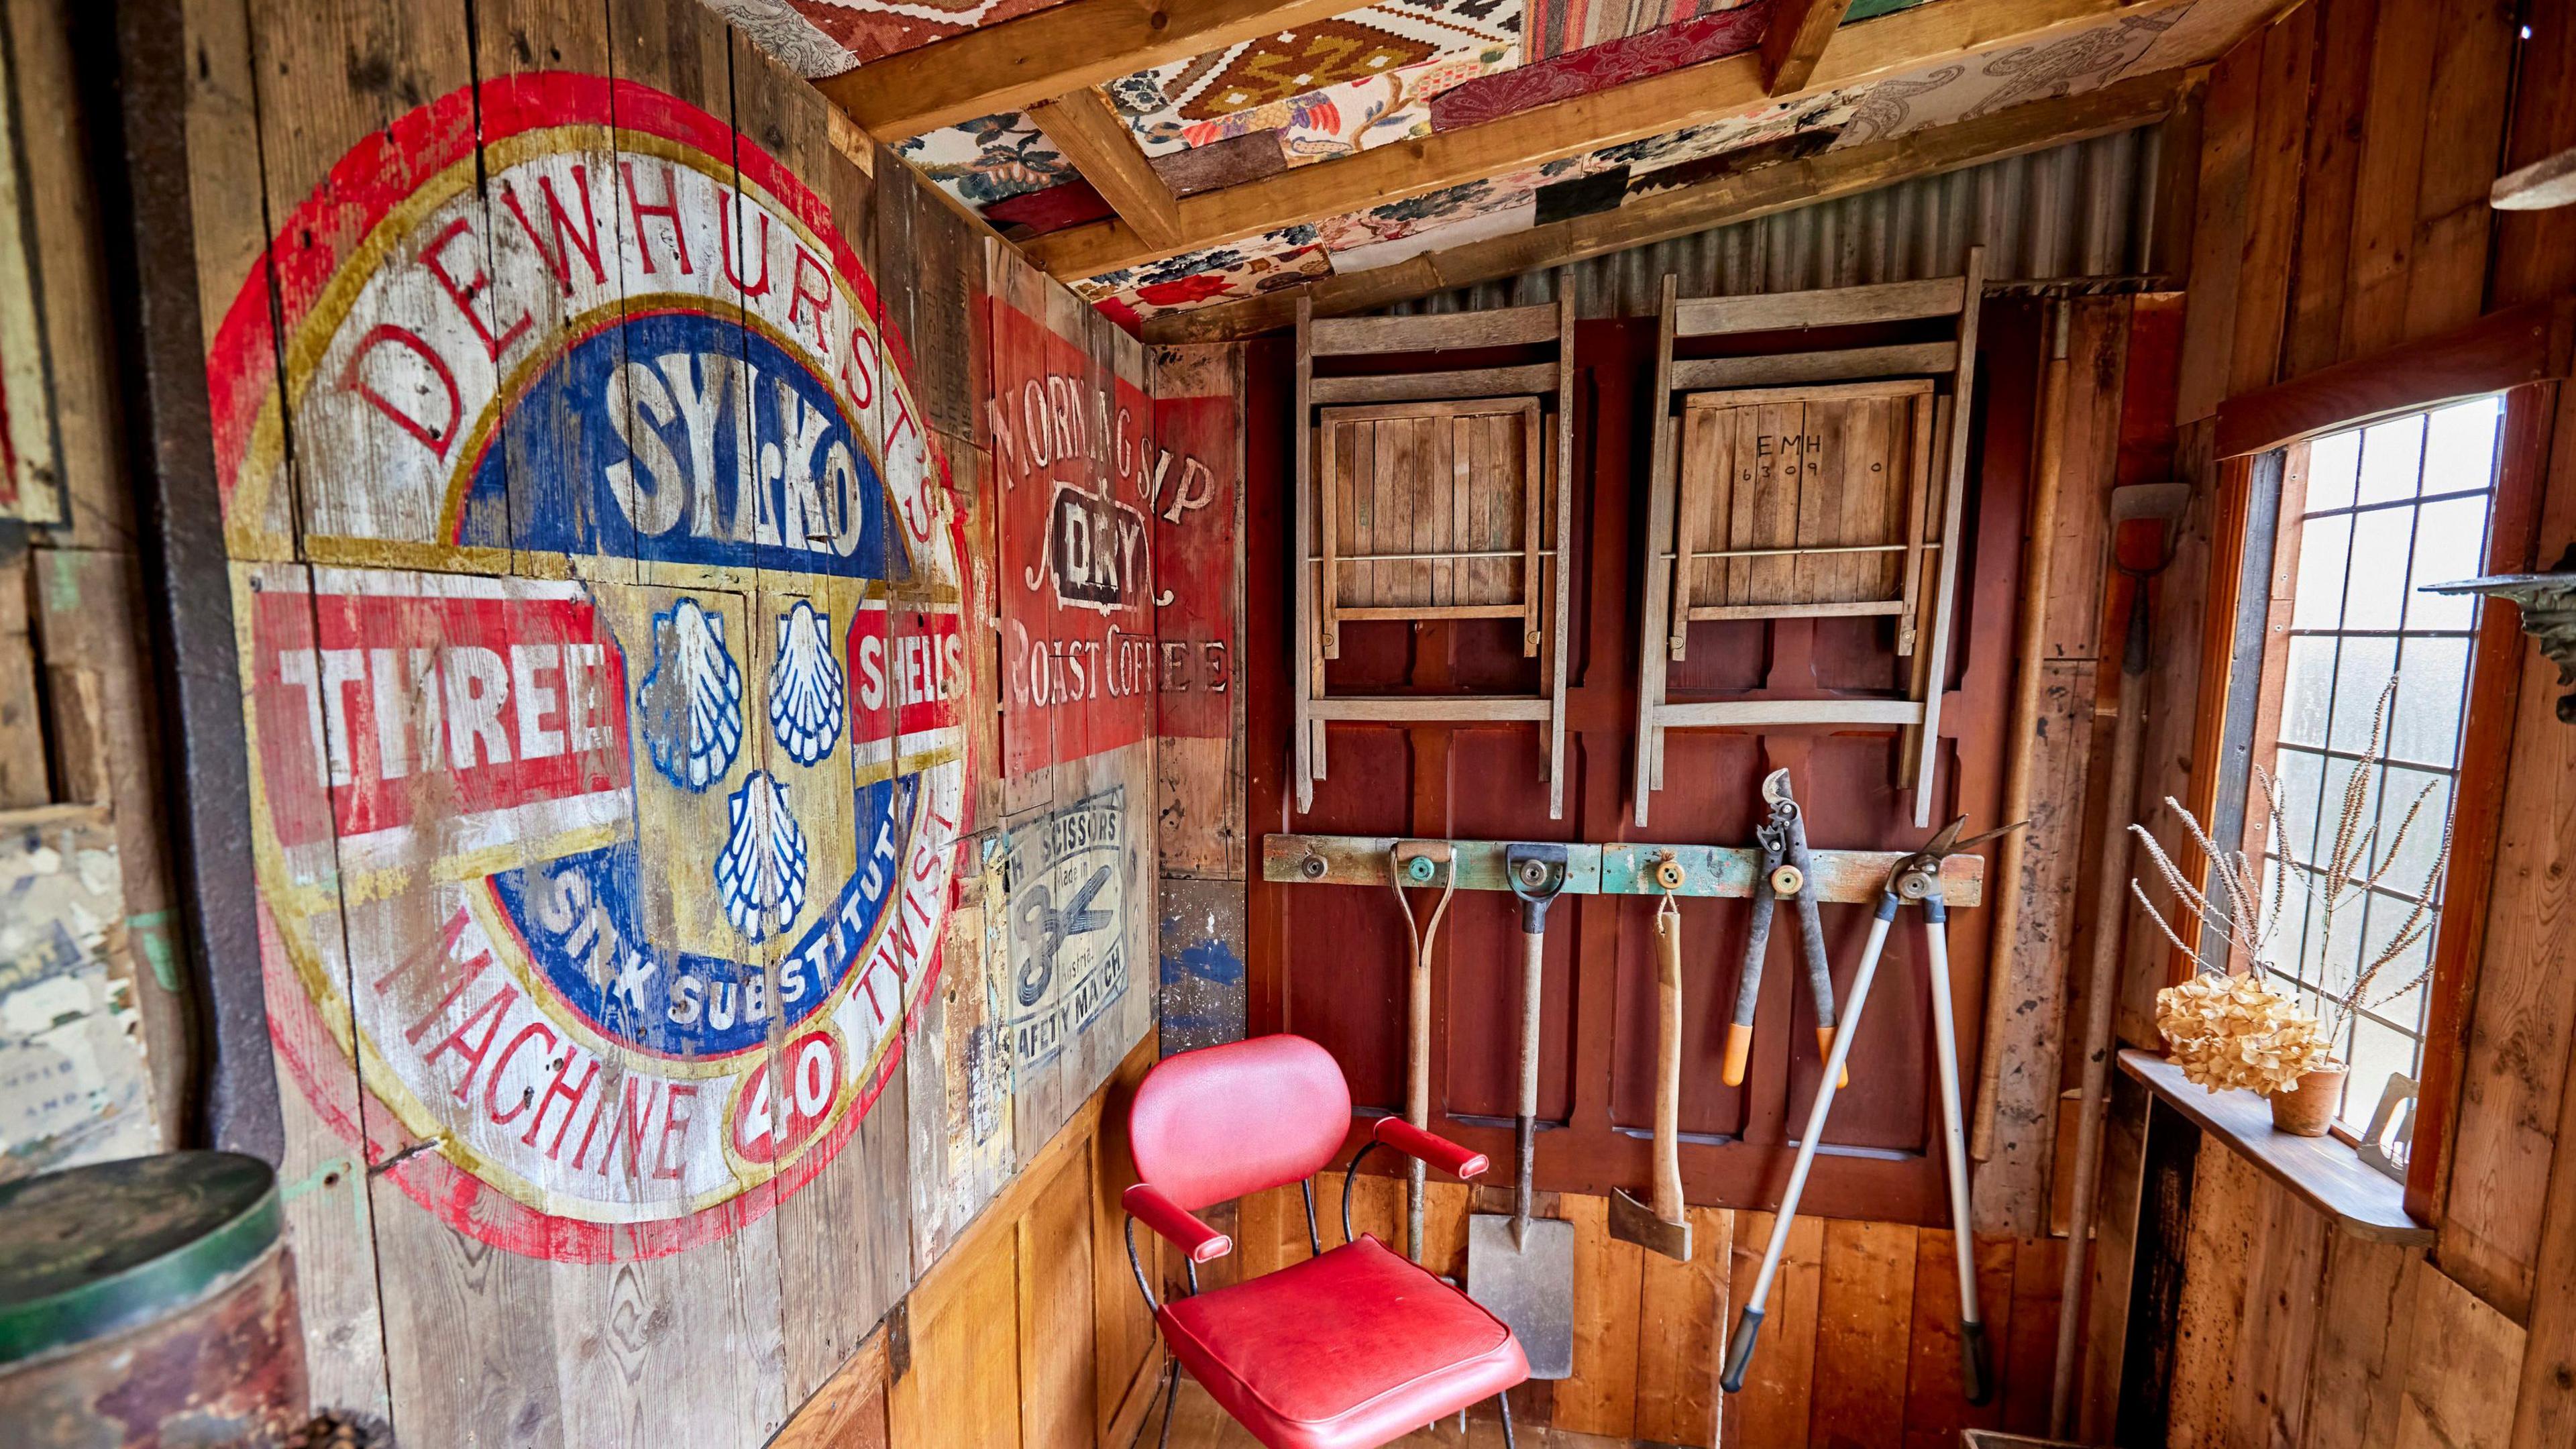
1425	495
1784	486
1849	877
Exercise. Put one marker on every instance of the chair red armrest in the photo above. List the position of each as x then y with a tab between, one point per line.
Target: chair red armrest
1147	1205
1440	1152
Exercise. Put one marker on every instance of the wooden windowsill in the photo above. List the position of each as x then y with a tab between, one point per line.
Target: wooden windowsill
2323	1173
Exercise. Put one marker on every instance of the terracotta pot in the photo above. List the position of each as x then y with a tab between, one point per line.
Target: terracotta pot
2307	1109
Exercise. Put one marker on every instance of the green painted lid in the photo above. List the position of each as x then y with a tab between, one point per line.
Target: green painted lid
88	1251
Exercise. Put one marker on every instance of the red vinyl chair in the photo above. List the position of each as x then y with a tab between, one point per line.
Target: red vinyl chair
1347	1350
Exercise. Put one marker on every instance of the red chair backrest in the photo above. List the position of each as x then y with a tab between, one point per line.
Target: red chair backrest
1223	1121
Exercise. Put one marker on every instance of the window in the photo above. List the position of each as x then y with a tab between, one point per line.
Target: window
2387	509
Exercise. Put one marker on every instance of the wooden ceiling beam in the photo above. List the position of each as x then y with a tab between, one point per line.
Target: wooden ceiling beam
1712	90
1796	40
1682	211
1063	48
1090	133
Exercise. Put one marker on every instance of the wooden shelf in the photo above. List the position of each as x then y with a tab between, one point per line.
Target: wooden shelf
2319	1171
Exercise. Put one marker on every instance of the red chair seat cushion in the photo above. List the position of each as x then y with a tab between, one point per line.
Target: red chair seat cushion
1345	1351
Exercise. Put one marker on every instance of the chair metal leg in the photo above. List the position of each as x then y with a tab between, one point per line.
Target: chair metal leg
1503	1401
1171	1401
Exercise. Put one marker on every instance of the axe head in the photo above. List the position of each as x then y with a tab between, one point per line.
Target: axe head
1633	1222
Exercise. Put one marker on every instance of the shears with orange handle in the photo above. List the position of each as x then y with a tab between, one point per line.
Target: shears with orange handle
1787	872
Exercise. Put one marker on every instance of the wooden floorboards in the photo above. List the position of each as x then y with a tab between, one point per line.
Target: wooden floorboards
1197	1423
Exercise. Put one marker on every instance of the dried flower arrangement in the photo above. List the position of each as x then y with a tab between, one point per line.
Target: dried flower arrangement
2242	1031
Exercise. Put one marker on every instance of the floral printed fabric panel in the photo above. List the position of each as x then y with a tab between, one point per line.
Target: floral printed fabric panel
1331	87
1283	258
1551	28
1514	214
990	159
872	29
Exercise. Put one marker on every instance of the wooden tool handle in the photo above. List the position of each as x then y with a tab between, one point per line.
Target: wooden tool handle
1668	1069
1739	1048
1825	1044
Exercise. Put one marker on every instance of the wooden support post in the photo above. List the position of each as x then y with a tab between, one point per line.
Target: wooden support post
1955	489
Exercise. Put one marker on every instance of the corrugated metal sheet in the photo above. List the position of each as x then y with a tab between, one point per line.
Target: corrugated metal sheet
2085	209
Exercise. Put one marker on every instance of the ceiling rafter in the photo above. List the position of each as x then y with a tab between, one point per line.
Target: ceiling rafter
1742	196
1690	95
1053	52
1796	40
1096	140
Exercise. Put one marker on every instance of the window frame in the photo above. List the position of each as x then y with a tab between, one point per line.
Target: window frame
2254	577
2278	521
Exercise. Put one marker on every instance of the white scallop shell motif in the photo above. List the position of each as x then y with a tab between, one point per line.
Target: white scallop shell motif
805	686
761	875
690	702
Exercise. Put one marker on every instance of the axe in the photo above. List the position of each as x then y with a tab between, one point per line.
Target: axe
1665	1226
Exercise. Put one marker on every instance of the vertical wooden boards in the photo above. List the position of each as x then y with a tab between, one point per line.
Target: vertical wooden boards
1200	1000
958	1076
91	635
2225	1200
849	1410
2514	1068
1774	1405
650	699
1058	1387
1192	484
1681	1335
2462	1354
2313	336
2365	1325
2284	1288
2218	241
2272	201
1601	1397
1075	553
1127	1353
1770	471
24	778
2345	158
1864	1321
1029	1331
961	1386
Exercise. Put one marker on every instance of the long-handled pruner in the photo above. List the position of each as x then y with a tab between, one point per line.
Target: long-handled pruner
1788	871
1419	863
1917	879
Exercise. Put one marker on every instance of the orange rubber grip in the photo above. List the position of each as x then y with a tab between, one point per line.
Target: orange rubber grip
1825	1044
1739	1046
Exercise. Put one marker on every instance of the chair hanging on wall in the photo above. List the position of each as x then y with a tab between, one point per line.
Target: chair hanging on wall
1349	1349
1809	485
1434	494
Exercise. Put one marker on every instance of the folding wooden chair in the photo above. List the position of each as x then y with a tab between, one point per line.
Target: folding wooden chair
1434	495
1808	485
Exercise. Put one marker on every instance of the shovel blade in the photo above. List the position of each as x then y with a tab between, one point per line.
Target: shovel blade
1633	1222
1530	1287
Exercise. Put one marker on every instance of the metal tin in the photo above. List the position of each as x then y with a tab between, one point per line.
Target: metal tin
148	1302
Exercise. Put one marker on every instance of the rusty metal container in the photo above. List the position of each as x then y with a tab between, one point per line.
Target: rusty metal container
148	1304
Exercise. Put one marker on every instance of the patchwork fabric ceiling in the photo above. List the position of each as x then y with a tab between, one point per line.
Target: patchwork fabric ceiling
1399	69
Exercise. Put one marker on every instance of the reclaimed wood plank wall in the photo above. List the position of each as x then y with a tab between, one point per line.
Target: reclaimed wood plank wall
643	496
96	998
2346	153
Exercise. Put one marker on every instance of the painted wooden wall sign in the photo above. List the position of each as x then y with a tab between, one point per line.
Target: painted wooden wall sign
1078	473
606	744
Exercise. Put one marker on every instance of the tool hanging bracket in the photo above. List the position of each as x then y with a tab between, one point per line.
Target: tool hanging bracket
1847	877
